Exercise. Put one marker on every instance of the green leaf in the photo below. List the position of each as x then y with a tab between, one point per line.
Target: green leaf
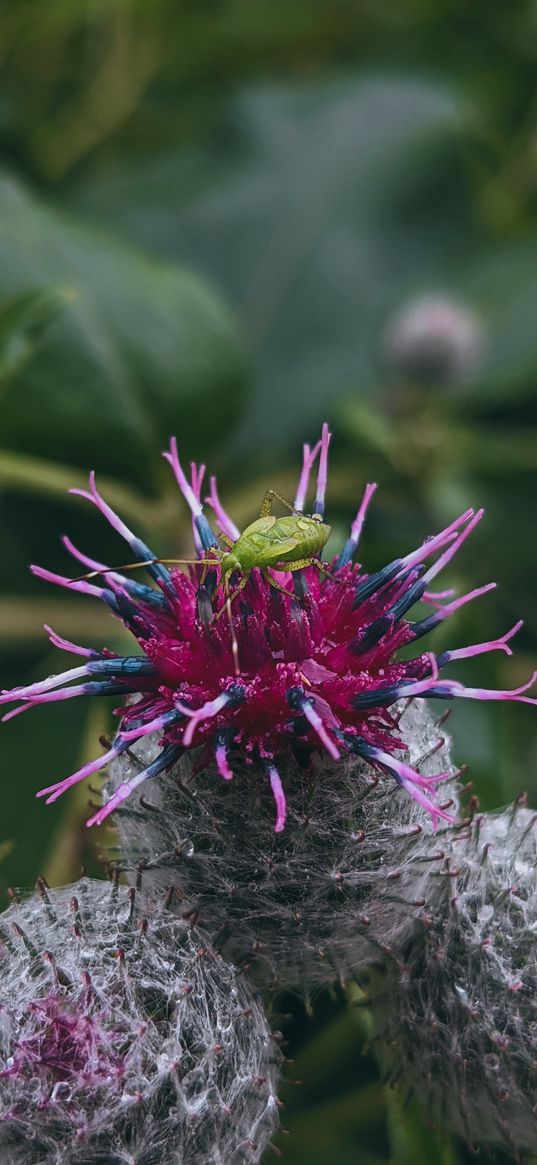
23	321
293	203
144	348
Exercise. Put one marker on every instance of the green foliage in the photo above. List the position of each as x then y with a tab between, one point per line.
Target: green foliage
317	165
23	321
290	200
143	348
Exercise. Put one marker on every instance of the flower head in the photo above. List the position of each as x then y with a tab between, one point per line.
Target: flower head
305	659
455	1012
435	341
305	908
124	1038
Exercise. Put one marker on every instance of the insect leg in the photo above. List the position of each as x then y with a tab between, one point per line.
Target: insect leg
302	563
266	505
276	585
232	596
234	642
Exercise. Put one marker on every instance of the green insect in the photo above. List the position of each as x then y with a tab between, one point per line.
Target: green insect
288	543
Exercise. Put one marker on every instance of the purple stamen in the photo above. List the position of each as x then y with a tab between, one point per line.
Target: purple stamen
55	681
66	645
433	544
205	533
92	563
500	644
134	589
163	761
453	688
452	550
376	581
139	548
410	780
80	585
450	608
222	761
95	498
434	597
52	792
351	544
92	688
297	700
197	482
224	521
322	475
377	697
207	711
121	794
309	456
279	797
158	724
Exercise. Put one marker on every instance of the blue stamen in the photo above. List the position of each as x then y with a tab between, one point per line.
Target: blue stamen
381	697
364	640
372	584
131	616
164	760
130	665
108	688
145	594
157	571
207	538
411	596
424	626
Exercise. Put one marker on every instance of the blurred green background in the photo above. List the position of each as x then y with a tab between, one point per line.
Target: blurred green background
215	219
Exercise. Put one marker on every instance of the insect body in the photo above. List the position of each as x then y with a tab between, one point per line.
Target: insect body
290	543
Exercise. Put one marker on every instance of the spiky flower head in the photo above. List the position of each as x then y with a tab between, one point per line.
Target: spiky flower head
124	1039
305	908
435	340
306	664
456	1018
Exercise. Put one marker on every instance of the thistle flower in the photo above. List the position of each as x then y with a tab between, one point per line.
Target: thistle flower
456	1021
124	1039
434	340
307	907
289	676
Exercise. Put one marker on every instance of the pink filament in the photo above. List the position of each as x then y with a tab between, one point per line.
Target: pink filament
452	550
172	457
95	497
357	525
500	644
65	644
309	456
226	525
279	797
85	588
323	466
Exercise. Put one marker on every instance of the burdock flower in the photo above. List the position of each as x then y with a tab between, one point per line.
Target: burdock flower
435	340
456	1016
124	1039
305	663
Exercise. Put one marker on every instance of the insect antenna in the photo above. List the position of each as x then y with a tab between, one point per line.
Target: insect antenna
149	562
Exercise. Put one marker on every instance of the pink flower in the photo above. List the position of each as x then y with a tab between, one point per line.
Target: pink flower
314	669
